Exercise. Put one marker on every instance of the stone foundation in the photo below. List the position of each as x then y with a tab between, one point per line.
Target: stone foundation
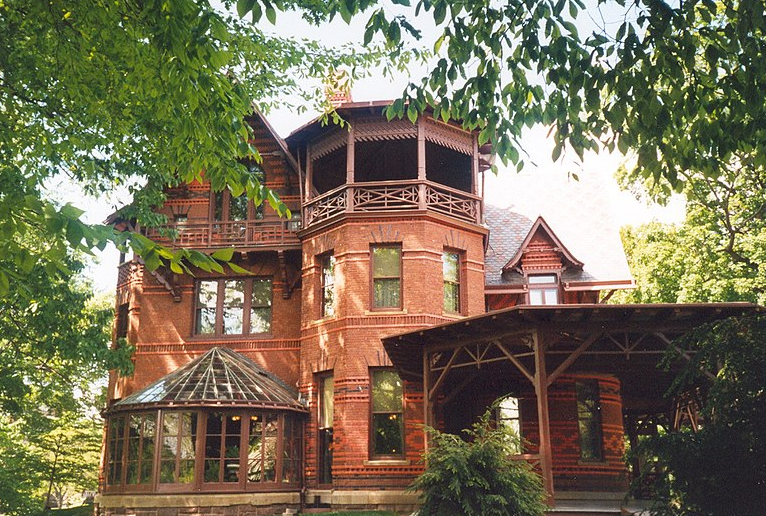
249	504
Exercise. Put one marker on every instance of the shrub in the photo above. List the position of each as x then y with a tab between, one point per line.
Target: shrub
476	476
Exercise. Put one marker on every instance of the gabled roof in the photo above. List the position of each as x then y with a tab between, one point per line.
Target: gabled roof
219	377
538	225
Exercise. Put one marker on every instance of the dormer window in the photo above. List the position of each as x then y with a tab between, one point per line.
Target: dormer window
543	289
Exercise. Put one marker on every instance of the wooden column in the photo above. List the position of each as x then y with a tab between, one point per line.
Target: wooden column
426	399
475	178
350	169
541	391
421	164
309	170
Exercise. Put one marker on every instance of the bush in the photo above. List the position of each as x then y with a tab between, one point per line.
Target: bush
477	476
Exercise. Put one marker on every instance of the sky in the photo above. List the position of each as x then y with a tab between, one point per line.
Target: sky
596	171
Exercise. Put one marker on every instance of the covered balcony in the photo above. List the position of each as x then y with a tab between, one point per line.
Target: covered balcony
375	165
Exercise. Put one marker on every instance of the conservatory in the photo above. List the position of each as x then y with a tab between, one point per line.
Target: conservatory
219	424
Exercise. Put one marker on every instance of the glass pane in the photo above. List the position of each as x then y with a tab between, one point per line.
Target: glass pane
260	320
386	392
146	472
535	297
231	470
328	286
542	278
131	473
269	459
233	306
186	471
238	208
207	294
386	293
551	296
169	447
218	211
387	434
212	470
205	322
450	267
451	297
170	423
133	448
386	262
167	472
261	292
150	422
254	450
326	402
328	270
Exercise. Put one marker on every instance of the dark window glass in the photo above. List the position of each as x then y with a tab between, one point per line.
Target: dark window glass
141	432
207	302
262	448
387	414
328	285
122	321
326	403
589	420
223	433
387	276
451	278
116	449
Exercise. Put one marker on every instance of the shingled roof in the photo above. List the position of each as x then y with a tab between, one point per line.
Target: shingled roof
580	216
219	377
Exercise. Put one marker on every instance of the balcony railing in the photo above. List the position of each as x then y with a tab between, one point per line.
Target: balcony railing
389	196
234	233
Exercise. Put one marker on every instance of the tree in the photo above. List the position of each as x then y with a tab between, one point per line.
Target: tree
147	94
721	468
477	476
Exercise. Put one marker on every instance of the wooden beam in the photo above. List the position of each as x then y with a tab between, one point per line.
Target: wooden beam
685	354
541	391
426	400
446	370
515	362
572	357
459	387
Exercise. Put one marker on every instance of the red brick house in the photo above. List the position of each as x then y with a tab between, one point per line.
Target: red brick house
393	297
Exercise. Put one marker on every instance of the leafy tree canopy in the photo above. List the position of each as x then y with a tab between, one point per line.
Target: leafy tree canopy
721	468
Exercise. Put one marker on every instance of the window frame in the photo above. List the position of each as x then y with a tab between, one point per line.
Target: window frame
247	307
400	277
501	420
296	430
321	458
460	260
403	441
224	199
324	259
594	421
542	287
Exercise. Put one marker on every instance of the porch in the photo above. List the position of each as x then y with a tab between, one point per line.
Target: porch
535	351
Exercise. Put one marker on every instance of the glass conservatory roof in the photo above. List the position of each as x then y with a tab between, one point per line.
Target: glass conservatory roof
219	377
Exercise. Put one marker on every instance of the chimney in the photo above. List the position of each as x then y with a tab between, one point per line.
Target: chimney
338	88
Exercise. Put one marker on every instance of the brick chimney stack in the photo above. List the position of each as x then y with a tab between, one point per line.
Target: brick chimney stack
338	88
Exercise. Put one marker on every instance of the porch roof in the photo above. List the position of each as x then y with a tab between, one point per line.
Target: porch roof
406	349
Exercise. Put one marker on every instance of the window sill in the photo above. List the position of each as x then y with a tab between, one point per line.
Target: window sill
230	337
387	462
386	312
453	315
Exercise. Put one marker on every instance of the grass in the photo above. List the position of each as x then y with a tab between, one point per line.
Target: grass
82	510
358	513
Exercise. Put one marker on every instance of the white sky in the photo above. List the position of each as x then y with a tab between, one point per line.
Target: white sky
596	168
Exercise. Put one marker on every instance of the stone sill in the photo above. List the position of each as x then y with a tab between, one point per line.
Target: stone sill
387	462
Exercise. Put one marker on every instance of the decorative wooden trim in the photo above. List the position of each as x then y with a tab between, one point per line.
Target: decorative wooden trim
377	129
331	142
449	136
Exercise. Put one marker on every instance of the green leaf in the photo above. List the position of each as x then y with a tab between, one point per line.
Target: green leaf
236	268
244	7
224	255
4	284
271	14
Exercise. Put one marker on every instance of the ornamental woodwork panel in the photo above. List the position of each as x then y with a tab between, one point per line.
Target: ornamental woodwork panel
327	144
377	129
448	136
